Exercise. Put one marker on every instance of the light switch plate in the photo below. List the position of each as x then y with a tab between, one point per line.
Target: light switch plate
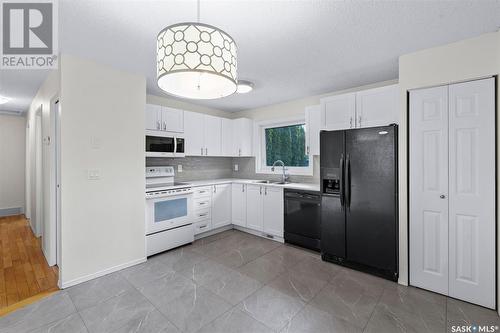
236	167
94	174
95	142
179	168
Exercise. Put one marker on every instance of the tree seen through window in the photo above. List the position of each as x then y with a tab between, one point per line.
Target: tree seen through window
287	143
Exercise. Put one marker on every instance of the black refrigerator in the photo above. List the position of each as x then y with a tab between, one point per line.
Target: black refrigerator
359	203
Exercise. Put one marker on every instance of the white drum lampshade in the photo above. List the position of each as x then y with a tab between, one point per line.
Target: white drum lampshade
196	61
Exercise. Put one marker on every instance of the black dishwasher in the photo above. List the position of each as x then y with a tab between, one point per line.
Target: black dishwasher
303	218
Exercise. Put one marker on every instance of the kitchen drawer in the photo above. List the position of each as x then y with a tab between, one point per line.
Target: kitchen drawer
202	226
202	203
204	191
202	214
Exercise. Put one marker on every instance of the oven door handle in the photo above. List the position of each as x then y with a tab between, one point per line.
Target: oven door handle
175	145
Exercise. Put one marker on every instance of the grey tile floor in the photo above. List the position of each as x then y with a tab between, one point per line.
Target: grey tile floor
235	282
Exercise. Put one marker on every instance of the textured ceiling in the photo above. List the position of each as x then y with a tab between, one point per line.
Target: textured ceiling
289	49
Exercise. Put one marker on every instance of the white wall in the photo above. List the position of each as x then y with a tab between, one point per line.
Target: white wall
102	127
465	60
296	107
183	105
12	163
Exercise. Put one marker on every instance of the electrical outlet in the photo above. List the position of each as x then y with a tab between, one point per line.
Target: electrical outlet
236	167
179	168
94	174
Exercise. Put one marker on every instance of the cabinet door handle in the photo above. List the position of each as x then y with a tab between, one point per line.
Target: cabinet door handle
239	152
442	196
206	151
242	187
201	150
359	121
307	150
260	190
265	190
158	125
203	226
215	189
350	122
164	125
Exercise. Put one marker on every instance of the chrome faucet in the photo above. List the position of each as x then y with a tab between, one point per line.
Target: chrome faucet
285	176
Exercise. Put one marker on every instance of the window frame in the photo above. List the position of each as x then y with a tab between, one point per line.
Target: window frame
260	143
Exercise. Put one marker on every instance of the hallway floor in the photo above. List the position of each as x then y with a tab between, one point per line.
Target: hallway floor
24	272
236	282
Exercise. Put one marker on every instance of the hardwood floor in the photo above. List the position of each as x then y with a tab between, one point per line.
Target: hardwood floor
24	272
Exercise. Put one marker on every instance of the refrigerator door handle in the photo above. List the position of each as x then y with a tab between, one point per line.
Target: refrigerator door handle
348	183
342	181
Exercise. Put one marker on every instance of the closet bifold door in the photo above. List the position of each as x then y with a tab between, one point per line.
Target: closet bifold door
428	157
472	192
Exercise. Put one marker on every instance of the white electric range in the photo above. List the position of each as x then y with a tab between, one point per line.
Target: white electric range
168	211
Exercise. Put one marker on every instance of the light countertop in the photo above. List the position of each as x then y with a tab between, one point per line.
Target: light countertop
295	186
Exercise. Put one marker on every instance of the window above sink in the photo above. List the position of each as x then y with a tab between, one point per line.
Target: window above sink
286	140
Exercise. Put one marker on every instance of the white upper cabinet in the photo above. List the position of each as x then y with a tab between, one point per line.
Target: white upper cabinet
313	124
227	137
366	108
338	112
153	117
255	215
221	205
161	118
273	211
194	131
239	204
173	119
377	107
213	136
242	137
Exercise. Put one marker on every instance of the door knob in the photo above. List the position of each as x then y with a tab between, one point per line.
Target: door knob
442	196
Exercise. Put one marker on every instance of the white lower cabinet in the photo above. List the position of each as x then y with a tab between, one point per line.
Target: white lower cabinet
221	205
265	209
273	203
255	207
239	204
255	215
202	226
202	209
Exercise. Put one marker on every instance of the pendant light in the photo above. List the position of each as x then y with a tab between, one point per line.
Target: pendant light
196	61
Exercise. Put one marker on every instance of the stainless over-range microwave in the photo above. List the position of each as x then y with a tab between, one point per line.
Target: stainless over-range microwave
165	145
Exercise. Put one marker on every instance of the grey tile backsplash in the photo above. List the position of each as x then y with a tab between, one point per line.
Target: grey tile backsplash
196	168
246	169
201	168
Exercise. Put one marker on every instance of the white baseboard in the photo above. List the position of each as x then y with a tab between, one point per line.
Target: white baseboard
11	211
107	271
259	233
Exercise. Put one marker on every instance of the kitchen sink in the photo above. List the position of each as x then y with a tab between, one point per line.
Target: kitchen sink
270	182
